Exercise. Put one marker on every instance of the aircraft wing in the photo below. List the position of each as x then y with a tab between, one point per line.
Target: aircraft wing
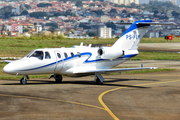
112	70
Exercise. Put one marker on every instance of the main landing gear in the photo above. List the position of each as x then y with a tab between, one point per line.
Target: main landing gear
24	79
57	77
98	79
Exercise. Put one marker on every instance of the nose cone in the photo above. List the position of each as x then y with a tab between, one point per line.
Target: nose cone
8	69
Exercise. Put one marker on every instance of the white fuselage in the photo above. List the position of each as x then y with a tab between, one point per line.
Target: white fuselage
77	59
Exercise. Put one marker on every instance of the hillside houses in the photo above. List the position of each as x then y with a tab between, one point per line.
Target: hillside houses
84	20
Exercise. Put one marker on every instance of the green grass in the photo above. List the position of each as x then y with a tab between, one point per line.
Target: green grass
159	40
19	47
157	56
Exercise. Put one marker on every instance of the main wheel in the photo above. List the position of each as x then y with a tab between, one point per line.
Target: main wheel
23	81
58	78
98	81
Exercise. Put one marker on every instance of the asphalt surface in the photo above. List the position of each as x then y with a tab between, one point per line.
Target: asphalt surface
151	96
173	47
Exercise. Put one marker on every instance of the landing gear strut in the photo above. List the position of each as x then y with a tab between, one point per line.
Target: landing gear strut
23	80
98	79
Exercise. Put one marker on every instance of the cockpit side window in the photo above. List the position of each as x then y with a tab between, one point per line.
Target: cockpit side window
38	54
47	55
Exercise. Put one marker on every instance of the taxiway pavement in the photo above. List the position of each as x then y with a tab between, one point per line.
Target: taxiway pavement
152	96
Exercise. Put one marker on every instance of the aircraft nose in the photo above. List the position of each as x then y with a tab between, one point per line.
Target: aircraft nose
7	69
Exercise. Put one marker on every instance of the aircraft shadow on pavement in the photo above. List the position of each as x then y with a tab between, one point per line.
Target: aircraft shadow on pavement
82	82
117	80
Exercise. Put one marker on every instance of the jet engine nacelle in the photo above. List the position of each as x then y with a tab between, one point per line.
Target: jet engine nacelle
110	53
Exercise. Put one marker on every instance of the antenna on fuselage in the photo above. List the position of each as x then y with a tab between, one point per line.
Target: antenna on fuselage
81	44
90	45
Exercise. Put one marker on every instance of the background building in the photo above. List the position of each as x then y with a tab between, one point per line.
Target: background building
105	32
125	2
15	28
38	28
174	2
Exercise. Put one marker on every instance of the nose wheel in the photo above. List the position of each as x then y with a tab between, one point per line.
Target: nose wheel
23	81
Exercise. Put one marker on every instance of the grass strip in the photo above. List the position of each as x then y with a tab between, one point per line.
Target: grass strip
19	47
157	56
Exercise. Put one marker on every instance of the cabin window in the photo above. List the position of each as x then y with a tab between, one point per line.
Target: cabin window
72	54
38	54
47	55
65	54
79	54
58	55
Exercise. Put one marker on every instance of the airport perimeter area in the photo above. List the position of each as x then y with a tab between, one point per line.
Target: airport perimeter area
148	96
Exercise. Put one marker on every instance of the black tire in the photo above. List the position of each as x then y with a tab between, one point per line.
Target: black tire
23	81
98	81
58	78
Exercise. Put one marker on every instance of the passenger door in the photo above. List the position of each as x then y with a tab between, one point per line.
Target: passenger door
59	61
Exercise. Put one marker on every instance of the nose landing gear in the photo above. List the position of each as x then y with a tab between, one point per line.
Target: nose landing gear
24	80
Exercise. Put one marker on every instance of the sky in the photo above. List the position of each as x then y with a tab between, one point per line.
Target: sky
146	1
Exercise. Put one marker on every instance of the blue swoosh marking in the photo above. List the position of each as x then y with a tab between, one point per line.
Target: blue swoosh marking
75	56
134	26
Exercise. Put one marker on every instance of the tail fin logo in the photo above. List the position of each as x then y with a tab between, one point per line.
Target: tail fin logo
132	37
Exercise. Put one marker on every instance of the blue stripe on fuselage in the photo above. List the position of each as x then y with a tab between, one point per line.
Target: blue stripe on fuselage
76	56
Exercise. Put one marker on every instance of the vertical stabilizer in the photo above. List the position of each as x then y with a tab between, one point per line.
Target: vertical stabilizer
132	37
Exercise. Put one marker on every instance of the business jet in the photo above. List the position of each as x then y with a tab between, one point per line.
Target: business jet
83	60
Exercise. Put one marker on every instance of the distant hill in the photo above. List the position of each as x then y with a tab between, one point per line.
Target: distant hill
5	9
5	12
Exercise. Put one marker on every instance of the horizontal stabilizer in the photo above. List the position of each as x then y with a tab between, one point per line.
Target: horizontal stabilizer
156	23
149	23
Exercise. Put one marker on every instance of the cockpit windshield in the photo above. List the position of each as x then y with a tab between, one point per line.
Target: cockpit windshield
37	54
29	54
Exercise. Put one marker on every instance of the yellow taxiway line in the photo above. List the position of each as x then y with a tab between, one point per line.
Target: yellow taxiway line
48	99
109	111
